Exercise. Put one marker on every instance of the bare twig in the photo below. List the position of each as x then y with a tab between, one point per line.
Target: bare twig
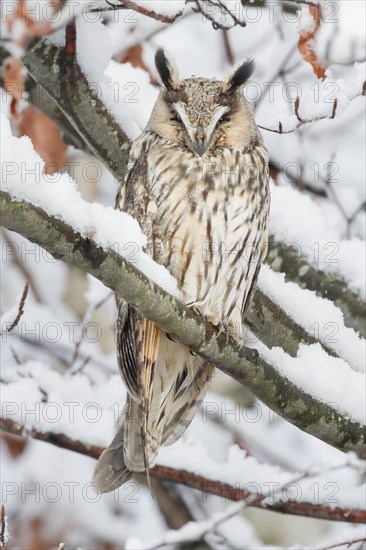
301	121
21	265
20	309
3	527
227	46
70	38
224	10
87	318
130	5
332	195
347	543
185	536
297	105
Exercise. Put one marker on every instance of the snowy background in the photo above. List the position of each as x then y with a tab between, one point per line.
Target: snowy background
58	368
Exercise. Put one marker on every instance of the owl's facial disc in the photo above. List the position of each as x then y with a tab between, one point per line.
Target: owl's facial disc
200	133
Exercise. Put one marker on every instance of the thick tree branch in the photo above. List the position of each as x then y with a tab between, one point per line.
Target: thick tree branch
59	74
205	485
245	365
37	96
284	258
270	323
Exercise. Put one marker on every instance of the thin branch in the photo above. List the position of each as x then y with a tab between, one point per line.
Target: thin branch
205	485
4	534
302	122
20	309
349	543
224	10
227	46
173	317
130	5
87	318
70	37
185	535
13	249
37	96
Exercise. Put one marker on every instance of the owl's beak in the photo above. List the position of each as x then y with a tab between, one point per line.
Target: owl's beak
199	143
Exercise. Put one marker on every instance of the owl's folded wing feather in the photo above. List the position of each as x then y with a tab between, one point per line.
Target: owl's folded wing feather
137	338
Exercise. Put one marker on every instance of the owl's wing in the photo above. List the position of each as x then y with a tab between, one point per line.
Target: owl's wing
137	349
137	338
184	402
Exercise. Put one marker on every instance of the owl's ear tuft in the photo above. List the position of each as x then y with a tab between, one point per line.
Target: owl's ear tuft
167	70
239	75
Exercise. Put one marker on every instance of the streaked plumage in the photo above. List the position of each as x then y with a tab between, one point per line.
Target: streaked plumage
197	182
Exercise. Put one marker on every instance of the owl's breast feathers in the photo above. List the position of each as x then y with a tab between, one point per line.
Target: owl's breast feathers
209	220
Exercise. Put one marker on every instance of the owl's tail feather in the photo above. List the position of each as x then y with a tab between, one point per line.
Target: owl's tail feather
111	471
141	442
132	450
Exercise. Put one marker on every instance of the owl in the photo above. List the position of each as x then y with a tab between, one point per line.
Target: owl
197	182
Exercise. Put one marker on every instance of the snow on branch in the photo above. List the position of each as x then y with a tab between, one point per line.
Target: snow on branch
302	120
62	78
245	365
270	498
307	111
285	258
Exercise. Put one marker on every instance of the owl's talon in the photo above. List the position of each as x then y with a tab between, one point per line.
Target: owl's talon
224	328
197	309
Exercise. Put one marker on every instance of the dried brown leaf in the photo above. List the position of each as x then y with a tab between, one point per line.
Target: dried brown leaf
46	138
306	43
34	23
133	55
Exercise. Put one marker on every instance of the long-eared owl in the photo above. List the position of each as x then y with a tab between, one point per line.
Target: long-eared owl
197	182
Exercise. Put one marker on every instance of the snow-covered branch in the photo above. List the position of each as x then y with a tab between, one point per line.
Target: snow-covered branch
299	120
60	76
270	500
245	365
285	259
